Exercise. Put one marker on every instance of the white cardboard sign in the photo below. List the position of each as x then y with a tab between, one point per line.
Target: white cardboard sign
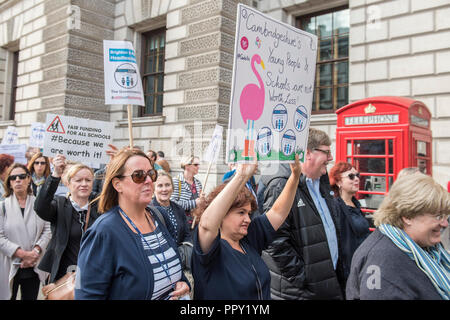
16	150
11	136
272	89
123	83
37	135
77	139
212	152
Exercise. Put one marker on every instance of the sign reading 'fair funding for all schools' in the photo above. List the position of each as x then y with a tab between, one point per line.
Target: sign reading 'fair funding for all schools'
272	89
122	79
77	139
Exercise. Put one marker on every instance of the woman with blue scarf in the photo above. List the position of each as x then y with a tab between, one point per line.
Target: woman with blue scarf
404	258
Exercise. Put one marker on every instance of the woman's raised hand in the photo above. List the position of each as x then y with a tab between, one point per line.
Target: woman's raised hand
59	162
247	169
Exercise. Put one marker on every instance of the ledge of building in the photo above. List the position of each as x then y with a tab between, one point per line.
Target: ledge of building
143	121
6	123
323	119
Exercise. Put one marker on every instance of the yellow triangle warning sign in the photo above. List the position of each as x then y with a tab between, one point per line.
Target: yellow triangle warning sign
56	126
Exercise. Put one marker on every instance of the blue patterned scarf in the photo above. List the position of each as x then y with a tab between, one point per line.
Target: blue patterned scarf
433	261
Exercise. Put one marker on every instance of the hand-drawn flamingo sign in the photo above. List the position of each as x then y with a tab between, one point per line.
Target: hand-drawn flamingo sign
251	106
272	89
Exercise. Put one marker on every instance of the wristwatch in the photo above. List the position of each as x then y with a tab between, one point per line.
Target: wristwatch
38	251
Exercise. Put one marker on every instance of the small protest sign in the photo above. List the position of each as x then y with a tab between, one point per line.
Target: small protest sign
37	135
16	150
272	89
77	139
212	152
11	136
123	83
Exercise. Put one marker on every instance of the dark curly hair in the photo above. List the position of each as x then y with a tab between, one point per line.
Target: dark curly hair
244	197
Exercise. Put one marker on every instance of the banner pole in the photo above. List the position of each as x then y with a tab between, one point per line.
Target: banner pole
130	126
204	185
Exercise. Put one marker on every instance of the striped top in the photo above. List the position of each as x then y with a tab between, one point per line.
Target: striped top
164	260
183	196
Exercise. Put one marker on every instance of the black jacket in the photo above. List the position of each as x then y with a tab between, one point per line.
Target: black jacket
354	230
58	211
183	230
299	257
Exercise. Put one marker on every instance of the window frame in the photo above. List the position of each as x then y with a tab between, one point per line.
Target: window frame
333	61
146	37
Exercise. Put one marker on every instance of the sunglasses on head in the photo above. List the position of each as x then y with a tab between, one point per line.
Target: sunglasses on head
139	176
352	176
42	163
21	176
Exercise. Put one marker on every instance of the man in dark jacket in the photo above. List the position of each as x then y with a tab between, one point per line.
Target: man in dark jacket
303	258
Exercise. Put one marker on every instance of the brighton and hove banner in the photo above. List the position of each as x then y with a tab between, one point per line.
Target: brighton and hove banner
123	83
77	139
272	89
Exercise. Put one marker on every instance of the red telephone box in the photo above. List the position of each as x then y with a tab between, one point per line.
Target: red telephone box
380	136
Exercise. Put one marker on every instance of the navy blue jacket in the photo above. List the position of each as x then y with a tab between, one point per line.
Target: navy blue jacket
112	263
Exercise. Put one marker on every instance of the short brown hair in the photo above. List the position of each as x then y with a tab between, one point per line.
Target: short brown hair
317	138
243	197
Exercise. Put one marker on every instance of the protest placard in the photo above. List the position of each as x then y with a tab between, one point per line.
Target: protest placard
11	136
123	83
77	139
37	135
212	152
16	150
272	89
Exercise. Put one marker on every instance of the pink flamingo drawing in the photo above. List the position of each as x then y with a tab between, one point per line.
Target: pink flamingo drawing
251	106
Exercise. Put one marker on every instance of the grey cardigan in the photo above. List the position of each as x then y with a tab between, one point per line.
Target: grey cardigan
381	271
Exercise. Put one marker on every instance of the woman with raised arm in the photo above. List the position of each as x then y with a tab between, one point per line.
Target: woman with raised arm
69	216
227	261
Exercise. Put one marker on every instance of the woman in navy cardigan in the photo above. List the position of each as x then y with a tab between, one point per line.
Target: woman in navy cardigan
128	247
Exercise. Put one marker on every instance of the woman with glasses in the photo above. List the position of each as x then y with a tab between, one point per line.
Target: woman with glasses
187	191
226	261
23	238
128	253
344	181
403	259
39	167
69	215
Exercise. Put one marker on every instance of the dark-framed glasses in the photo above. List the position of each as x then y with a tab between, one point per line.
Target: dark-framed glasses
139	176
352	176
21	176
327	152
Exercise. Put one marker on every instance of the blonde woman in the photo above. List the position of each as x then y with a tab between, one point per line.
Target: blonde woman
69	216
404	258
187	190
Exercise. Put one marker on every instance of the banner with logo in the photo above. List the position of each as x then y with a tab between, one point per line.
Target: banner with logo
123	83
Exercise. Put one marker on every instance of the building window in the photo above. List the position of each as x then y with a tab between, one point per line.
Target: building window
332	29
153	71
12	103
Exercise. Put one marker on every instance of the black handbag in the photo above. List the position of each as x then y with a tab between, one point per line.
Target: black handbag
185	251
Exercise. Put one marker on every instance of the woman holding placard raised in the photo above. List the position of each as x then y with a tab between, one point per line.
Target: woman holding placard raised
69	216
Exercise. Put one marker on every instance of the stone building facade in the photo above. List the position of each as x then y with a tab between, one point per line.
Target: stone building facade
396	47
